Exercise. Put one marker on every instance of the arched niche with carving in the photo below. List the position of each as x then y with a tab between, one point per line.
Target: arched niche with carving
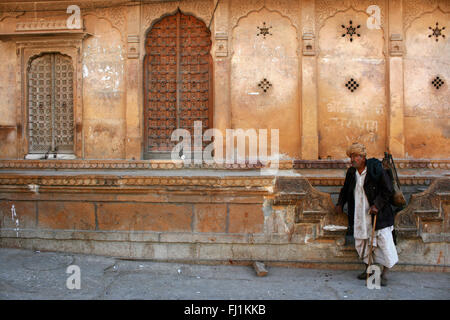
265	77
351	85
427	106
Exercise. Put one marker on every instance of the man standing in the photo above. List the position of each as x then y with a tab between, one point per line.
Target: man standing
367	191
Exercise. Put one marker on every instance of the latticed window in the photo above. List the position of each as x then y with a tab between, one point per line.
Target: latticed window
177	71
50	104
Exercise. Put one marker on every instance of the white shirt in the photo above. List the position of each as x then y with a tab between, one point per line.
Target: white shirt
362	223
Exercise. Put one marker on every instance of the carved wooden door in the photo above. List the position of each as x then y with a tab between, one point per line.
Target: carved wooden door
178	86
50	104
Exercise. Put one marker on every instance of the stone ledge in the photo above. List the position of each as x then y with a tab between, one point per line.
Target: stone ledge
174	165
292	255
154	237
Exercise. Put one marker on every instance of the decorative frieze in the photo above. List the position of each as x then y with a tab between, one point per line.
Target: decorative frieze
44	25
115	180
174	165
94	180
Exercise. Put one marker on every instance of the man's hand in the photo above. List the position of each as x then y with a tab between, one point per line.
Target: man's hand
338	209
373	210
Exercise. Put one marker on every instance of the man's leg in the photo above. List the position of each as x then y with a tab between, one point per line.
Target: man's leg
363	275
361	248
386	255
384	280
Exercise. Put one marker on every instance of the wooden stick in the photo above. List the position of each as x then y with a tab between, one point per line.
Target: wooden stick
369	260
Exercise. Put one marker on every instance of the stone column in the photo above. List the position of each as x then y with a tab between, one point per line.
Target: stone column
396	137
133	139
221	67
309	111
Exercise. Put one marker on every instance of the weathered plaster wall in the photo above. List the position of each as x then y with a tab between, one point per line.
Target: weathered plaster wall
103	91
346	116
8	131
272	57
427	109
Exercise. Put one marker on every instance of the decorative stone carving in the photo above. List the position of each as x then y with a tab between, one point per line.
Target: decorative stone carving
437	32
264	85
221	44
351	30
14	14
239	9
437	83
165	164
202	9
264	30
115	15
328	8
42	25
413	9
287	8
133	46
309	46
310	207
396	45
352	85
427	215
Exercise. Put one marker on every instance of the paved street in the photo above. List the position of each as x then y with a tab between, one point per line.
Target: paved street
28	274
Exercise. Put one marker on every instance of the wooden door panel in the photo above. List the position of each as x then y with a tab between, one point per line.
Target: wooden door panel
177	71
50	104
63	110
40	104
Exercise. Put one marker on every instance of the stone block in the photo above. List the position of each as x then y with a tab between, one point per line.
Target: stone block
260	269
25	213
246	218
144	216
215	252
210	217
66	215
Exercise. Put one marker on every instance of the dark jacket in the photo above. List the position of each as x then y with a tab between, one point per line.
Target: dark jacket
378	189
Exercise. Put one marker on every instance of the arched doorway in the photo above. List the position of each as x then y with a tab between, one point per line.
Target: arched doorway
177	80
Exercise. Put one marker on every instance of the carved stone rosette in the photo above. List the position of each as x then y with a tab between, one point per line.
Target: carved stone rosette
328	8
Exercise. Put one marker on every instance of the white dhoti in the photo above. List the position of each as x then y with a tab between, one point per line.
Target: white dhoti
384	251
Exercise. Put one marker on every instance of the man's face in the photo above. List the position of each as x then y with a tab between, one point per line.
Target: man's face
358	161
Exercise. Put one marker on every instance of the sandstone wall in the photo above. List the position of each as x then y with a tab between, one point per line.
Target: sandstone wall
109	201
305	55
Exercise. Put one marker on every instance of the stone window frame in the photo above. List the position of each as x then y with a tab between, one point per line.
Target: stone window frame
27	48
